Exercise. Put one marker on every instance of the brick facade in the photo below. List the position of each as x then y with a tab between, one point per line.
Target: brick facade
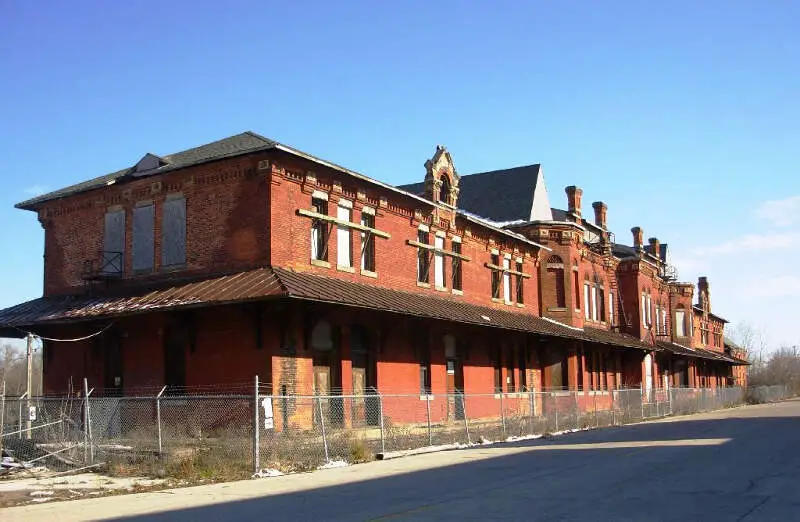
258	209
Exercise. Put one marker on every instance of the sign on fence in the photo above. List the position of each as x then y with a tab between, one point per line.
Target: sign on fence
32	413
269	419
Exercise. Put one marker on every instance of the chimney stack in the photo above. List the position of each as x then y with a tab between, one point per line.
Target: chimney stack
574	200
704	294
655	247
600	212
638	236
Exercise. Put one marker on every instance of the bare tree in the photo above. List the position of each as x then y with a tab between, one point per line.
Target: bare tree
14	370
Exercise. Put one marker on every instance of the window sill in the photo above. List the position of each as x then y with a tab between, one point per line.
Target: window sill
496	300
423	285
441	289
428	397
457	292
520	305
172	268
345	268
320	263
556	309
369	273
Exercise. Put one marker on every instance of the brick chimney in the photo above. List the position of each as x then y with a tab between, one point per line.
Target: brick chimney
600	212
574	200
655	247
703	293
638	236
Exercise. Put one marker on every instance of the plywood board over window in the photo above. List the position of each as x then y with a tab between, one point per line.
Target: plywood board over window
143	230
173	232
113	242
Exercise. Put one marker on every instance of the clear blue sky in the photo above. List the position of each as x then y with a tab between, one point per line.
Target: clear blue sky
682	116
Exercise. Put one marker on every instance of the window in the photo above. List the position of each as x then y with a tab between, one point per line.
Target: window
319	231
495	277
113	242
367	243
143	240
658	319
520	282
424	355
595	310
438	263
444	190
647	319
649	311
587	312
663	321
601	300
344	239
611	316
423	261
498	371
577	290
506	280
555	273
523	367
511	381
456	268
173	232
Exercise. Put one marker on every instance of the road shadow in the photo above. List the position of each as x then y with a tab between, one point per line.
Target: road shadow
564	478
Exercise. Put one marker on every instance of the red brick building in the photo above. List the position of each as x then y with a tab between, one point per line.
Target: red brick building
246	256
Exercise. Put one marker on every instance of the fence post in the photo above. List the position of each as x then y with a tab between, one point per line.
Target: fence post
502	414
158	418
380	411
322	425
428	417
555	402
531	407
466	418
87	431
2	417
256	430
19	418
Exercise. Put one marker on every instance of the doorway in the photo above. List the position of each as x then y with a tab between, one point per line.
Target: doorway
113	371
455	379
175	341
324	344
366	404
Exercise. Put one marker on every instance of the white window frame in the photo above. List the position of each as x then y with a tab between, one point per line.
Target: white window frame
344	236
506	279
438	262
649	311
611	308
595	309
587	301
680	323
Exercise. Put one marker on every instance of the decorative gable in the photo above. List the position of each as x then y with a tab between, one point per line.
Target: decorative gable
441	178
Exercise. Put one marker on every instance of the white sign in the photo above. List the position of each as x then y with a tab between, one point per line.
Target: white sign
269	419
32	413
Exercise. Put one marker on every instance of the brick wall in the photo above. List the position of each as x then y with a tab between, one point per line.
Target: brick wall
227	221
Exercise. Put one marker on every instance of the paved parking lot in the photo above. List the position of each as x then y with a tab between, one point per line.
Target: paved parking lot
740	464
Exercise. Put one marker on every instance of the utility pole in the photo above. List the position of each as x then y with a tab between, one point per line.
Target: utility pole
29	383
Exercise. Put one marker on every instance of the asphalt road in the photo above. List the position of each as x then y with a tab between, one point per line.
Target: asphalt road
740	464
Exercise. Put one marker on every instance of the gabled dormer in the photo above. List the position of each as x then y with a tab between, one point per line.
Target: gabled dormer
146	165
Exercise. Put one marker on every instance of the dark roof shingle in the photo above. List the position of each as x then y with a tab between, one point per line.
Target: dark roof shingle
234	145
500	195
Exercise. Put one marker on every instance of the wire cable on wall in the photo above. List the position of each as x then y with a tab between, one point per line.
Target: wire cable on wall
95	334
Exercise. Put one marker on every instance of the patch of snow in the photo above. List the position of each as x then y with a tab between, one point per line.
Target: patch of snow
515	438
269	472
41	499
334	464
42	492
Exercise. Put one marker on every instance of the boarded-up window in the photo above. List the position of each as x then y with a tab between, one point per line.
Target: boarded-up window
143	247
114	242
173	232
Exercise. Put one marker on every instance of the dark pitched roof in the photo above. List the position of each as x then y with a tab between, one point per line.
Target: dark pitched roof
499	195
559	214
232	146
620	250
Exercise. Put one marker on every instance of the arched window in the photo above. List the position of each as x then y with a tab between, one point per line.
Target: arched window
555	279
444	191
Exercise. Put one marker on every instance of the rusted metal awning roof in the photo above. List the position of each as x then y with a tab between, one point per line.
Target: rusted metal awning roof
699	353
242	286
263	283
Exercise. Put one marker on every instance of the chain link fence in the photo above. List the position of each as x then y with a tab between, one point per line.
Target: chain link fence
211	435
